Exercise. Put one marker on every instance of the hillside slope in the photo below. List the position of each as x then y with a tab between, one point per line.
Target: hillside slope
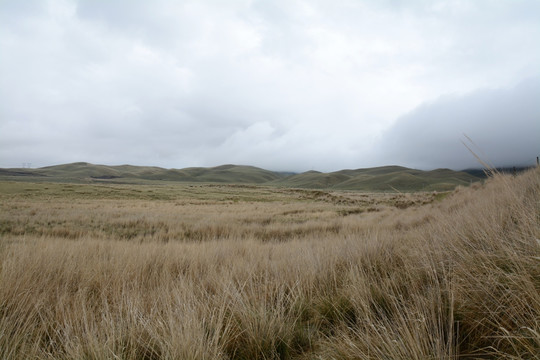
85	172
386	178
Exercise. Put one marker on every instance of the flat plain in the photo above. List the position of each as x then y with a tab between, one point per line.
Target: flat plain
223	271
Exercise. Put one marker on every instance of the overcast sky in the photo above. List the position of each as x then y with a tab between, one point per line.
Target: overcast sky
280	84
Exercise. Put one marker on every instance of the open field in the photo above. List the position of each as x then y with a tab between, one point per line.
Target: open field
190	212
194	271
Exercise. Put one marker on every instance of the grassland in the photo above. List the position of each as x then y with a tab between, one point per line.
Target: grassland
193	271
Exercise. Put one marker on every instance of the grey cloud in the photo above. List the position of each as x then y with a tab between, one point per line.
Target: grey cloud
504	125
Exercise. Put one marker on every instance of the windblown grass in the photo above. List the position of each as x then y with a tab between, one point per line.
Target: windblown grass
299	275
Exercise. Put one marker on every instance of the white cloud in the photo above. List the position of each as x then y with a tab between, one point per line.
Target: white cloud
296	84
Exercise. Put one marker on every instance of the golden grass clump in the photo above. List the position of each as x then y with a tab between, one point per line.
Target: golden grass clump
286	275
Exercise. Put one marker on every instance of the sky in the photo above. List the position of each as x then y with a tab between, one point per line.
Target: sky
286	85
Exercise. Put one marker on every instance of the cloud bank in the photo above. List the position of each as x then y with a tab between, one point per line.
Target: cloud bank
503	125
285	85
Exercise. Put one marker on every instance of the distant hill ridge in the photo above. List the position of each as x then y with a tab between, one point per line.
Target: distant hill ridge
385	178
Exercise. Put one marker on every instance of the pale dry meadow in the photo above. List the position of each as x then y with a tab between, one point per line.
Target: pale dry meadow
245	272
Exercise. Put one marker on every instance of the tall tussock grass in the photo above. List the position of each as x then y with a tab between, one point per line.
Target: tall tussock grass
452	279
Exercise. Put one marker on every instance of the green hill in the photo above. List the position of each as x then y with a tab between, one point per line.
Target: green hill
386	178
312	179
232	174
85	172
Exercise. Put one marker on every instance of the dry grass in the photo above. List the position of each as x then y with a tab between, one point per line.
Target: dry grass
258	273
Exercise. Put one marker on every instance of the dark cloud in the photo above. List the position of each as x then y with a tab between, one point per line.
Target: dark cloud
503	124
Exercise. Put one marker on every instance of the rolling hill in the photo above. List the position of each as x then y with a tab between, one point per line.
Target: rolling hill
85	172
386	178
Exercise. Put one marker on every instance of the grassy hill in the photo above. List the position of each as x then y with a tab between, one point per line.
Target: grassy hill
386	178
85	172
